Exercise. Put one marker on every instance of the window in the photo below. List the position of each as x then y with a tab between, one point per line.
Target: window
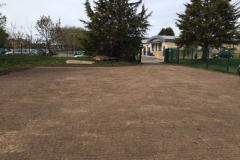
152	47
160	47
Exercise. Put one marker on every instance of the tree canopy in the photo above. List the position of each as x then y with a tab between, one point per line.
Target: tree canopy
167	32
16	35
208	23
3	34
68	33
49	31
115	26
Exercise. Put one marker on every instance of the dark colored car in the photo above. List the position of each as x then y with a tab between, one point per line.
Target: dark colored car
44	52
223	54
114	59
53	52
3	51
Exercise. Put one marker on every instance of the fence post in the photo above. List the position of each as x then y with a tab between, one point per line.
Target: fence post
177	55
228	59
192	56
170	52
166	55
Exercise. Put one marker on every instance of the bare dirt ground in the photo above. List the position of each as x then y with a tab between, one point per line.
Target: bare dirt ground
150	112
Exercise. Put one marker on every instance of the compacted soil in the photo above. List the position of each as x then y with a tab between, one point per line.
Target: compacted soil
156	111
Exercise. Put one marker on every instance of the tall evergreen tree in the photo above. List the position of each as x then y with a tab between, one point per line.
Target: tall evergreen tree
115	26
167	32
208	23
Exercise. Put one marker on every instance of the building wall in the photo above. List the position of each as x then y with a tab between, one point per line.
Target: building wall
157	53
164	46
169	45
173	45
145	45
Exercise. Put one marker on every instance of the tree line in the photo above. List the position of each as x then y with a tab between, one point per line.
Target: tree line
50	35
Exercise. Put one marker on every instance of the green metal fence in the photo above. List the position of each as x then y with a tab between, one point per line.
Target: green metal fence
200	58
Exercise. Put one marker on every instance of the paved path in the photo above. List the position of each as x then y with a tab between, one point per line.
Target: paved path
65	55
143	112
151	59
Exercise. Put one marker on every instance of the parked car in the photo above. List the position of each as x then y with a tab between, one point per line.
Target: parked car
78	54
223	54
44	52
19	51
53	52
3	51
33	51
9	51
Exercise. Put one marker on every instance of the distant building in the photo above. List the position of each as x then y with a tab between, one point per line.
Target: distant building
156	45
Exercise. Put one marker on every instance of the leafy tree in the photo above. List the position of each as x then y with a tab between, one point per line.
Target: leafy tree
167	32
16	35
68	37
65	32
28	37
114	27
208	23
49	32
3	34
3	19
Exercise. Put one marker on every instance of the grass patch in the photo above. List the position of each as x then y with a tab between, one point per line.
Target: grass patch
85	58
16	61
213	64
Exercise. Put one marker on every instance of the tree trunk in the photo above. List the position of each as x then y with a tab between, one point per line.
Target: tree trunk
205	53
49	47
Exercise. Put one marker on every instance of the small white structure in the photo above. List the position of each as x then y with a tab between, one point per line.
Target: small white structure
156	45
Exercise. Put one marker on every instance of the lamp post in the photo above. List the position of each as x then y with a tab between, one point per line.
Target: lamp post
74	41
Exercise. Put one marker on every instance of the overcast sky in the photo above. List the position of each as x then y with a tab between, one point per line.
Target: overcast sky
25	13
